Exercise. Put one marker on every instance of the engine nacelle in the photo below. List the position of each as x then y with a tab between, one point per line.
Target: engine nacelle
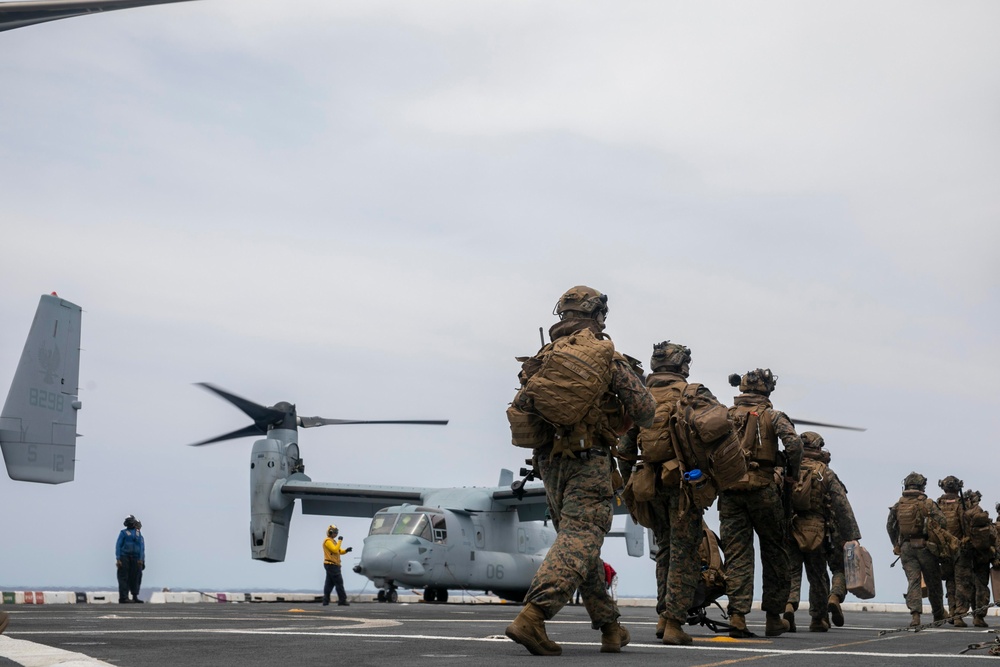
271	463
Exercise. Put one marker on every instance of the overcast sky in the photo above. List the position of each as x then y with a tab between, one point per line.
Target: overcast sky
369	208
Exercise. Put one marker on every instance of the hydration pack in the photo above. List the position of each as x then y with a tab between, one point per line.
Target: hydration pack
980	528
656	441
952	510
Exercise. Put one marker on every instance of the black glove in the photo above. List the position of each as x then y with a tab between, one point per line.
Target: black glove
348	550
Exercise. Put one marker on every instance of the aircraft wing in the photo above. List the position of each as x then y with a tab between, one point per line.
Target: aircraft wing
350	499
21	14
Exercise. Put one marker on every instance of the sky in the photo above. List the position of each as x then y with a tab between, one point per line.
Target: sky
368	208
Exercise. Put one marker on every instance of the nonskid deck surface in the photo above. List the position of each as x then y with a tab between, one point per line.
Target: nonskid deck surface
432	634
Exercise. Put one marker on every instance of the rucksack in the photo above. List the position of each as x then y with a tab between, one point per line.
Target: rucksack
910	516
574	371
713	579
656	441
979	527
809	494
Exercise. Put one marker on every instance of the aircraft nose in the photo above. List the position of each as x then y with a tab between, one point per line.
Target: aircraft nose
378	563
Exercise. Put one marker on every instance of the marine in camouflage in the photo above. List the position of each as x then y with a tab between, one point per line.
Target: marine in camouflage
579	492
916	558
972	568
760	510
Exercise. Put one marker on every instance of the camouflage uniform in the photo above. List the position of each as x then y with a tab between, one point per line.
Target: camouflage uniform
972	568
758	508
677	533
950	504
841	527
916	558
579	493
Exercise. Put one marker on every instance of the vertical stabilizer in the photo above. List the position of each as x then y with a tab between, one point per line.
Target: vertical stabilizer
38	422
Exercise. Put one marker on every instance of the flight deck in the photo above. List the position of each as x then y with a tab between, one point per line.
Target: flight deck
365	633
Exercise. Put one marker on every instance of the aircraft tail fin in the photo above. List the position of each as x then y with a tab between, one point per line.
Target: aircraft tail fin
38	422
634	535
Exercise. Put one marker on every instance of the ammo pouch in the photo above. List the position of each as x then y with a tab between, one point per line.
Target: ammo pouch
808	531
528	429
702	492
638	493
670	474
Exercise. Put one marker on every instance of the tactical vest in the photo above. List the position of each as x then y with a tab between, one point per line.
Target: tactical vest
810	495
952	510
911	516
656	442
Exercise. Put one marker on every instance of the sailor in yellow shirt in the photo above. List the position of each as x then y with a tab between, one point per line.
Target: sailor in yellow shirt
333	548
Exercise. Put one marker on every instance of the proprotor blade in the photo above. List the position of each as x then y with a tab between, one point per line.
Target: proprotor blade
258	413
239	433
309	422
809	423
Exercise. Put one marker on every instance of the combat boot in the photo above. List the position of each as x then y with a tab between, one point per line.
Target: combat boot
528	630
959	622
738	627
613	637
836	613
914	619
819	624
775	625
980	622
661	623
673	633
789	617
4	620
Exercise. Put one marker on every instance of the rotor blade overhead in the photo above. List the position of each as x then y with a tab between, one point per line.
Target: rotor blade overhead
809	423
309	422
239	433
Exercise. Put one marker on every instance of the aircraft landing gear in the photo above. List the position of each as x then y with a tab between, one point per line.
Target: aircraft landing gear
388	595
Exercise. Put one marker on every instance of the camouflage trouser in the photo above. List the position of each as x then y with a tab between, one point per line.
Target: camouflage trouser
972	581
819	582
838	579
678	570
741	514
579	496
948	577
919	561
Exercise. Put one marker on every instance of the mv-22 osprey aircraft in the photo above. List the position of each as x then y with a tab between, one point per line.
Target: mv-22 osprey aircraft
38	422
480	538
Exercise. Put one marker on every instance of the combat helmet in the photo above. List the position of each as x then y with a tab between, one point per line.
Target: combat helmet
130	521
914	481
582	302
973	497
669	356
812	440
758	381
951	484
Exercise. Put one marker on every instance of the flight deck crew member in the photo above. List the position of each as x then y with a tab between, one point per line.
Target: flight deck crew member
576	463
130	558
754	505
333	548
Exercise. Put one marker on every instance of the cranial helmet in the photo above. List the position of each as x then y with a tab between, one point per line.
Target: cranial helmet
331	530
130	521
973	496
812	440
951	484
914	481
581	301
669	356
759	381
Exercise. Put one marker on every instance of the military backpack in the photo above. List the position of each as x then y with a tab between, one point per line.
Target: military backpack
952	510
811	490
911	517
979	528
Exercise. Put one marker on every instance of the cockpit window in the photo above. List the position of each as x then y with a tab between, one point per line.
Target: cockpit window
440	529
382	523
413	524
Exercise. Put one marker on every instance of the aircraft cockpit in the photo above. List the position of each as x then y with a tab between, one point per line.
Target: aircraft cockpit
424	522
